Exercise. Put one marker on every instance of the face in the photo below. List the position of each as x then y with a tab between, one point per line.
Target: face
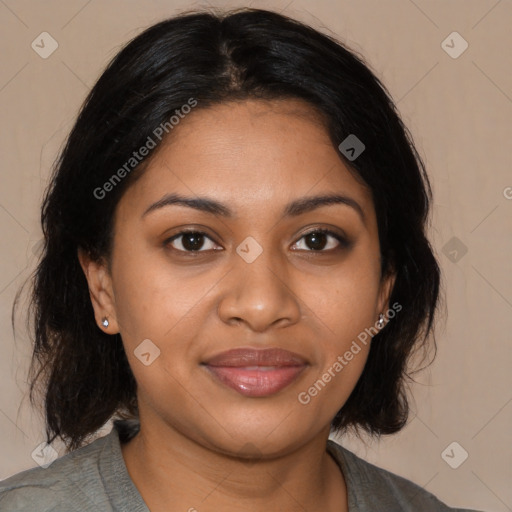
219	255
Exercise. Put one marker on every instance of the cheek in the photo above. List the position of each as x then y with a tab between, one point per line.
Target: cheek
341	352
152	299
161	313
345	300
342	307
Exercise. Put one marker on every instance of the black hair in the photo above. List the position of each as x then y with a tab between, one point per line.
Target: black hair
214	58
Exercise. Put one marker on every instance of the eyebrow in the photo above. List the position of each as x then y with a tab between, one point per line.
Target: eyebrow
293	209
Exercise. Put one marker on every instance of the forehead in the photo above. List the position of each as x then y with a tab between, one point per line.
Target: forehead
249	152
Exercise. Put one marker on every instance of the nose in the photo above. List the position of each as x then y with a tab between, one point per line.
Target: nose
259	294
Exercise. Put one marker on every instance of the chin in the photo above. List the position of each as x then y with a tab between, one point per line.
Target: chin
258	437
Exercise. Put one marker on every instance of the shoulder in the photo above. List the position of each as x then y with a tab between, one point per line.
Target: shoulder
373	488
70	483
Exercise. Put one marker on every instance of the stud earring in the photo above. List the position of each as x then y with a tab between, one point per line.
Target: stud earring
105	322
380	322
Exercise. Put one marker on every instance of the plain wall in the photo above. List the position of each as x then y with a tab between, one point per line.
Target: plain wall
459	111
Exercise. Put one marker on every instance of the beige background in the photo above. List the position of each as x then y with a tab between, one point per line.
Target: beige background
459	111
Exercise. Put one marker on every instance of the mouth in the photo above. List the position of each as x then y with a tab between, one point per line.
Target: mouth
256	372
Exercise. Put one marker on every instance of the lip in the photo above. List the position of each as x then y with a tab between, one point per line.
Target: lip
256	372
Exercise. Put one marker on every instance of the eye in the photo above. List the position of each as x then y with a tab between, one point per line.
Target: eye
317	240
191	241
322	240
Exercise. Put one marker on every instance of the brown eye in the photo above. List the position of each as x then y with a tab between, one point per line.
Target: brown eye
191	241
316	241
322	240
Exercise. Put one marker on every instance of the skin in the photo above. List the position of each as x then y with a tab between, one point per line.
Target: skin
202	445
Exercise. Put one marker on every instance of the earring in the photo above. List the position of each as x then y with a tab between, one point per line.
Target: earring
105	322
380	322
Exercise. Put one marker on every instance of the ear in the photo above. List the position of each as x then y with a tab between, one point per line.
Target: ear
385	289
101	291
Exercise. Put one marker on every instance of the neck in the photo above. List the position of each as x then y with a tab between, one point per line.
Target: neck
168	467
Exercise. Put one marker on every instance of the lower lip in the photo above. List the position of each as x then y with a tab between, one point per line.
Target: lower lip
256	383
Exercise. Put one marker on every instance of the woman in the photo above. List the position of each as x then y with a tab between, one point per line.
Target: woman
235	266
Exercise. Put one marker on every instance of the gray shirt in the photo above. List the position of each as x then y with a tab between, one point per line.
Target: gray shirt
94	478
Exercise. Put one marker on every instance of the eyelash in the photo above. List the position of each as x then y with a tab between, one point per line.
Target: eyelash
343	242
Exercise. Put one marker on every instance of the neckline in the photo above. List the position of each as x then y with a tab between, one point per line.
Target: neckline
120	489
337	452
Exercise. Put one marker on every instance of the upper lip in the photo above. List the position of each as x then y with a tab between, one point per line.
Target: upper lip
243	357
